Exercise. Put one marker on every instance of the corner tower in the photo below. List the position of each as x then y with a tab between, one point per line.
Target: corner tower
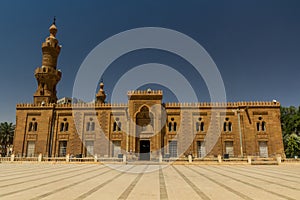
47	75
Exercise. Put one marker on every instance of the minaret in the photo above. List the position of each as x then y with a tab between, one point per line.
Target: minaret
47	75
100	96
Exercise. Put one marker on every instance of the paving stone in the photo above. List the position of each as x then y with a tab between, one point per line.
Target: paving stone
96	181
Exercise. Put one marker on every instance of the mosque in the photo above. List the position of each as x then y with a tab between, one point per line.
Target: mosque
144	128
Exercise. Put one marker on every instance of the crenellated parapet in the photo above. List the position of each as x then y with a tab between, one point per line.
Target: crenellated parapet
35	106
145	92
98	105
224	104
76	105
167	105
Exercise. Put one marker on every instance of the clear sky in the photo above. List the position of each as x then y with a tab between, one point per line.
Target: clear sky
255	44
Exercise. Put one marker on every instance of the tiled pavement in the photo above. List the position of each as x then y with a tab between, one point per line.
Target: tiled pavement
95	181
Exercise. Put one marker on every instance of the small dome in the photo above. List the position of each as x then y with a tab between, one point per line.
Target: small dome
53	30
101	94
101	85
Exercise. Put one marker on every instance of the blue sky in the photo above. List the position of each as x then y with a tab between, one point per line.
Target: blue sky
255	44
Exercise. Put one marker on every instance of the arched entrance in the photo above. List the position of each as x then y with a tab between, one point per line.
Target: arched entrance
144	132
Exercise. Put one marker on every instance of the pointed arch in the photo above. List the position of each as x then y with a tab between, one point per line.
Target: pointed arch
174	126
144	117
202	126
115	127
67	126
225	126
87	126
92	126
119	126
229	126
62	125
30	126
258	126
35	126
170	126
263	126
197	126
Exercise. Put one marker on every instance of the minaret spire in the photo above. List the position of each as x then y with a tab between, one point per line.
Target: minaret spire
47	75
101	96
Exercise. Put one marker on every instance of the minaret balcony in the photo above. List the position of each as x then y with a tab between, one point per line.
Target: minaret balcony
47	70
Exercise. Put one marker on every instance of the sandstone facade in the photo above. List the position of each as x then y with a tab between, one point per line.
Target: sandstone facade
144	128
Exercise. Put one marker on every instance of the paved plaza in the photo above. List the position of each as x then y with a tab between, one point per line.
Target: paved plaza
96	181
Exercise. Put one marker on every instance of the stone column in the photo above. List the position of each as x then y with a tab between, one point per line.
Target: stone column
40	157
12	157
249	159
219	158
278	158
190	158
67	158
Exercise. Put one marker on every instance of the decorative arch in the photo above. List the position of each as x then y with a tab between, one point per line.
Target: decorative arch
143	116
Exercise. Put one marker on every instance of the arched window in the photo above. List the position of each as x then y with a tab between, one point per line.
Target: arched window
202	126
30	126
257	126
66	126
119	126
229	126
197	126
35	126
88	126
92	126
174	126
225	126
115	127
62	125
170	126
263	126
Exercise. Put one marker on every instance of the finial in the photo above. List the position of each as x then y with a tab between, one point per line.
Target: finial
101	94
53	29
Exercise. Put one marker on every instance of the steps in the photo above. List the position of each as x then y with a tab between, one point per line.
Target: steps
264	161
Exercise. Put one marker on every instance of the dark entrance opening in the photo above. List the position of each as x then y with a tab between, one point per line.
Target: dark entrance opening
144	150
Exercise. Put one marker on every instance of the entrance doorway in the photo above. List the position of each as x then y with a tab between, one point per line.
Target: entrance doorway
144	149
200	149
263	149
116	150
229	148
62	148
30	148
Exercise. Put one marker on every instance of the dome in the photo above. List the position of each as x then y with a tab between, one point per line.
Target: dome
53	30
